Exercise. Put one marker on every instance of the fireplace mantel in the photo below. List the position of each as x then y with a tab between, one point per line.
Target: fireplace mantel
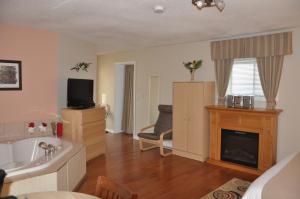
261	121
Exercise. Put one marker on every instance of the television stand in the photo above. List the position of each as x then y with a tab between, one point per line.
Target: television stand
86	126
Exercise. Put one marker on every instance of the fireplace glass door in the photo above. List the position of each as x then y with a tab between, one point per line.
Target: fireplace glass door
240	147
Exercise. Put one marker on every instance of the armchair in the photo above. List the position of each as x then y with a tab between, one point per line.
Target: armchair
2	176
162	131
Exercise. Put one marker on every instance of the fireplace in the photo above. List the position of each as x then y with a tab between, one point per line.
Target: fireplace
240	147
260	122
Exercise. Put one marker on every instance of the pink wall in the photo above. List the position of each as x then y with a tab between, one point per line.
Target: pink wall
38	51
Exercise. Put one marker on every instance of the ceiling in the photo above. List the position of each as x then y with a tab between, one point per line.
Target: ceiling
131	24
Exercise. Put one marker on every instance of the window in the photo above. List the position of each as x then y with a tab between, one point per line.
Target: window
245	79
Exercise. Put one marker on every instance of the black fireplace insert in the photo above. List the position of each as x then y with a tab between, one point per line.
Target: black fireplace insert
240	147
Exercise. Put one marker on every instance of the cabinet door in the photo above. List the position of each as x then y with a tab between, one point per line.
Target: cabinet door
180	108
62	179
195	118
76	169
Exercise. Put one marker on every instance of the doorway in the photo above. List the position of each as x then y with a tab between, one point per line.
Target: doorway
124	113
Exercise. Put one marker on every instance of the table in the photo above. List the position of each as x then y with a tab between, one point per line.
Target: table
56	195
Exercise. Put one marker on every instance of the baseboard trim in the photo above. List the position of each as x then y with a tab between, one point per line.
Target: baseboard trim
189	155
113	131
135	137
109	130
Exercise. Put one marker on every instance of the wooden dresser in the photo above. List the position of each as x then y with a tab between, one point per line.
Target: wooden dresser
87	126
191	119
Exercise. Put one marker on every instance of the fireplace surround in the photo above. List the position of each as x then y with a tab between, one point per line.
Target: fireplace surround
262	122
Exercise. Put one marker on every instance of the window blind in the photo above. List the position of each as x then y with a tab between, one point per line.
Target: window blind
245	79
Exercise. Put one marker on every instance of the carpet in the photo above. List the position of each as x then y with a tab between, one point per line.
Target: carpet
233	189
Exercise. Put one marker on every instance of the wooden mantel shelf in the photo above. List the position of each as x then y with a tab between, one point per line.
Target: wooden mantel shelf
264	122
249	110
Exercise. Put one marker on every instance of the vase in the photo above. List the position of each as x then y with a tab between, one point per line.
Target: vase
193	75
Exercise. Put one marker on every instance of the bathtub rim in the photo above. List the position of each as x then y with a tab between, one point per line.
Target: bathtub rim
76	147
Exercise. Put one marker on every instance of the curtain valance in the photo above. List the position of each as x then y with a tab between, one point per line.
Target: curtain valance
253	47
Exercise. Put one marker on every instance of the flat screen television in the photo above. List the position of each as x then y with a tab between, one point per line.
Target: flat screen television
80	93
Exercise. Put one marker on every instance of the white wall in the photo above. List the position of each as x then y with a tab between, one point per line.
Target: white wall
166	62
71	52
289	101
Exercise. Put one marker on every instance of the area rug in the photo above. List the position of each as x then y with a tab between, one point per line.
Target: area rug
233	189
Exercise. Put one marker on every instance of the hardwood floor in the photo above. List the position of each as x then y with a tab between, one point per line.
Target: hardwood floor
152	176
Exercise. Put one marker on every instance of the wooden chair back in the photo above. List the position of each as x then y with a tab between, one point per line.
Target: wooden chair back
106	189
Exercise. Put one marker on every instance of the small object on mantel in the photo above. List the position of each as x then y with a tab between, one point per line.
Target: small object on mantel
248	101
229	99
238	101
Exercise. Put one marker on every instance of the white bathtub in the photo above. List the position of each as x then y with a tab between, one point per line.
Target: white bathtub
29	170
25	156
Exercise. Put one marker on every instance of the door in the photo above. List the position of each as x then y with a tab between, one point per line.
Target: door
154	83
180	116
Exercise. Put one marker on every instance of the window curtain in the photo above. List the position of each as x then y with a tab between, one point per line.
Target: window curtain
223	69
270	69
269	50
253	47
127	118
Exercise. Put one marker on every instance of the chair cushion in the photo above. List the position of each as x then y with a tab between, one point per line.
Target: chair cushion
164	121
149	136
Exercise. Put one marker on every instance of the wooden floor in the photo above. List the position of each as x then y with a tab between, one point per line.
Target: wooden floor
151	176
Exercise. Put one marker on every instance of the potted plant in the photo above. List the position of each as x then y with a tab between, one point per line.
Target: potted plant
192	67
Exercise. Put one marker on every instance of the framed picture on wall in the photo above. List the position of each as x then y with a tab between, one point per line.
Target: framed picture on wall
10	75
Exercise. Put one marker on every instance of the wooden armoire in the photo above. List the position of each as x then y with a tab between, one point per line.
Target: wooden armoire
191	119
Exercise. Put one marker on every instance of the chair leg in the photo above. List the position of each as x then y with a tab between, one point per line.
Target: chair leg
141	144
142	148
162	152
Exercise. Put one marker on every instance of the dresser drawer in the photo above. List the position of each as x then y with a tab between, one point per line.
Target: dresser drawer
95	127
93	115
95	150
93	138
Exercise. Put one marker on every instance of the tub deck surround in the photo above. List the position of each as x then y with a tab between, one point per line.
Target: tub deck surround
54	166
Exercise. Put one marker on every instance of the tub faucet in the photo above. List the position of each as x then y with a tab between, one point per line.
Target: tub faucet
49	148
43	145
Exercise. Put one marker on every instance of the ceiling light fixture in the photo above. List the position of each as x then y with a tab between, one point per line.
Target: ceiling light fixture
158	9
220	4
